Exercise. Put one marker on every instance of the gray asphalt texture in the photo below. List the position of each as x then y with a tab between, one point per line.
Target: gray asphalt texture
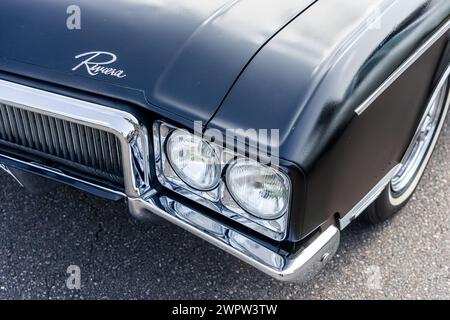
405	258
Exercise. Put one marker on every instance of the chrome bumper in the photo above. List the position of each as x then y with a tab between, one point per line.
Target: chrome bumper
299	267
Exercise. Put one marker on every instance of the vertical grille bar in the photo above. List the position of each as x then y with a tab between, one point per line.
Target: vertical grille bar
3	132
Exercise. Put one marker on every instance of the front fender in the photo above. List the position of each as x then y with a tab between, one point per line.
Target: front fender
309	80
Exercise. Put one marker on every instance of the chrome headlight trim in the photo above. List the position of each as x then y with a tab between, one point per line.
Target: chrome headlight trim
218	199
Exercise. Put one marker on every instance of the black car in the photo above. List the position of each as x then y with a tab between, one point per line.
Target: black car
263	127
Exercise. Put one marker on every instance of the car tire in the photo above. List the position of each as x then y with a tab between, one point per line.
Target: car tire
405	182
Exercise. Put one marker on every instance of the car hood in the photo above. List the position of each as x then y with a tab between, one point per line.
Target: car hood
183	56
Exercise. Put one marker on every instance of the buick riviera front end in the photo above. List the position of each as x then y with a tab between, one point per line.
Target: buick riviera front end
263	127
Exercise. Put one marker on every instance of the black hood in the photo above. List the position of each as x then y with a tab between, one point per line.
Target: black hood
181	55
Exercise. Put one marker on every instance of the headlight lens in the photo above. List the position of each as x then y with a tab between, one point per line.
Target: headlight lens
260	190
194	160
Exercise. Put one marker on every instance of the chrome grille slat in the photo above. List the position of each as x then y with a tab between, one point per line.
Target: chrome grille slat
12	127
48	138
3	134
40	132
82	148
96	146
54	136
104	149
60	133
26	127
34	132
90	145
19	126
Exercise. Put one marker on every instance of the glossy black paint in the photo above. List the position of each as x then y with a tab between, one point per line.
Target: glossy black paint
299	66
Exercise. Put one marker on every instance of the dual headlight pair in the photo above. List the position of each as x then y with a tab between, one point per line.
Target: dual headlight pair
215	177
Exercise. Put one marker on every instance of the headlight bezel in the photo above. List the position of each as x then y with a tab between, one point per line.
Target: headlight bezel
218	199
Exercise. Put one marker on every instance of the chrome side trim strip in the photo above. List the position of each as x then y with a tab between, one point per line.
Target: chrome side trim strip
368	199
408	63
122	124
294	268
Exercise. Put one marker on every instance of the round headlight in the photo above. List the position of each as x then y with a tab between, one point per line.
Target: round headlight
194	160
258	189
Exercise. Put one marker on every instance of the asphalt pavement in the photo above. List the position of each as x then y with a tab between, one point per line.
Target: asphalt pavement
120	258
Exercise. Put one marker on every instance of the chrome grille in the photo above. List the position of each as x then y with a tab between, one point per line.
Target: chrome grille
77	147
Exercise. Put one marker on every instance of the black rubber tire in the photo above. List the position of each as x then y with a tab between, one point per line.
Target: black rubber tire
382	209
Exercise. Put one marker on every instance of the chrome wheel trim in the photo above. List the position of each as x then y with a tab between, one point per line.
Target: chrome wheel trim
419	152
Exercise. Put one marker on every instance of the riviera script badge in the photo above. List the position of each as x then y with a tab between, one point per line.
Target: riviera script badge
98	62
